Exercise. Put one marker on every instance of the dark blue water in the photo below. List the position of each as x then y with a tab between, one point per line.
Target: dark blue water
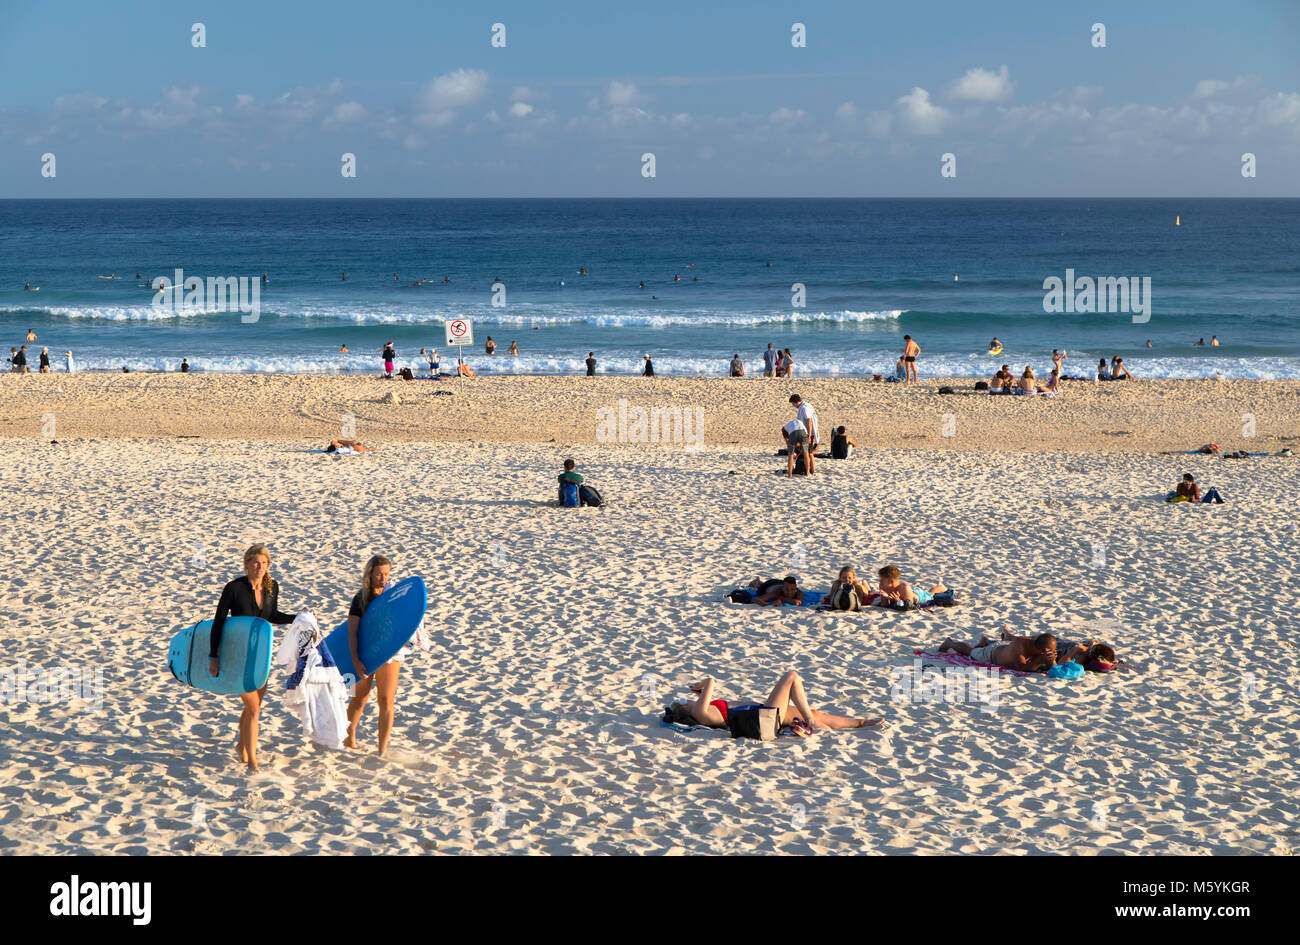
873	270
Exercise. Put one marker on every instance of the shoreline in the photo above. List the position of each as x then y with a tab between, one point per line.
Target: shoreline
1144	416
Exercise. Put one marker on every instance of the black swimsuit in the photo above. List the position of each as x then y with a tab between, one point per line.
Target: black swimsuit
238	600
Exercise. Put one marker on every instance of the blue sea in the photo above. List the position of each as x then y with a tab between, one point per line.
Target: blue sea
718	280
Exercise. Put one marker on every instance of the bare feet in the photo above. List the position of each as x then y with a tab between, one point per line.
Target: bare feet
946	645
864	723
350	742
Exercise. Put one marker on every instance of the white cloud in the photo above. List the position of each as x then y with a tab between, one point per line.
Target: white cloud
981	85
345	113
921	114
1207	87
624	95
847	110
452	90
787	115
520	109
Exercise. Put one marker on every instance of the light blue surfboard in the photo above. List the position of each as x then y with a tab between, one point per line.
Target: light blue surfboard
388	625
245	656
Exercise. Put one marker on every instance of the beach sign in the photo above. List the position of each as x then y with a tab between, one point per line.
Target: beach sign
460	331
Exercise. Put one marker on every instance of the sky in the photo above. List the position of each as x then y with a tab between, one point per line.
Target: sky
1016	92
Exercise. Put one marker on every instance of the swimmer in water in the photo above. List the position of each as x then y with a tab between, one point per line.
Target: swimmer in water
27	287
446	280
642	284
343	349
345	277
110	276
677	278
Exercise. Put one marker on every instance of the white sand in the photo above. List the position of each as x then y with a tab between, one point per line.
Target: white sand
532	725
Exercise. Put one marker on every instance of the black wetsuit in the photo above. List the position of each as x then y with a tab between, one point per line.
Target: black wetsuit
591	367
237	600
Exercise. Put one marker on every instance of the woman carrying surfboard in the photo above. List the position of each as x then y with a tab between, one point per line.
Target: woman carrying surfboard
374	581
253	595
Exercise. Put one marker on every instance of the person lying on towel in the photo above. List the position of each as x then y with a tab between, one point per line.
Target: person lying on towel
895	592
1027	654
776	592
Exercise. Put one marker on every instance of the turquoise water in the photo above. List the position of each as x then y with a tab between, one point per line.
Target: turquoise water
873	270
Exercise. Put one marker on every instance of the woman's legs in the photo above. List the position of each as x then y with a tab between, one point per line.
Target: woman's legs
247	745
386	681
359	697
789	691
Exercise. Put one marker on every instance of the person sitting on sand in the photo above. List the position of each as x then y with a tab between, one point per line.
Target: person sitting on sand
1027	654
737	366
1103	372
841	446
848	592
1002	382
900	371
787	697
1027	384
1053	383
569	477
895	592
1189	491
778	593
1119	372
336	445
463	369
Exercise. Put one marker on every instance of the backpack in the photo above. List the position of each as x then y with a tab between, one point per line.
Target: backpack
981	385
569	491
800	465
740	596
752	721
405	374
847	598
587	495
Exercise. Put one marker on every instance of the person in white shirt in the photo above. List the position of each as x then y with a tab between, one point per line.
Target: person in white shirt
71	366
796	441
808	415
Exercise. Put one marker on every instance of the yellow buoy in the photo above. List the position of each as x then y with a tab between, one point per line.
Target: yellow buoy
1178	221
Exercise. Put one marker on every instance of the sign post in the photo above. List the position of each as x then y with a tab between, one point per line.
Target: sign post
460	332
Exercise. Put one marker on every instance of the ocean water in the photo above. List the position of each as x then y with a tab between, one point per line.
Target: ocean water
873	270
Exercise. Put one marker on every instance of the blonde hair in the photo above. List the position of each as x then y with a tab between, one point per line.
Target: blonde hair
259	551
367	574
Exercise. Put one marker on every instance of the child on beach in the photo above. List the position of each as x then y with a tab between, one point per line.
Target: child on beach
787	697
1028	654
849	593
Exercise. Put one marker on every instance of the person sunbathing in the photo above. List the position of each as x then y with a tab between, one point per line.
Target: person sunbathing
336	445
1028	384
777	592
848	581
1086	653
787	697
1028	654
1189	491
895	592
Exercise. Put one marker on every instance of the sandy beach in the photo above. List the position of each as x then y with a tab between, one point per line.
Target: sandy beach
532	725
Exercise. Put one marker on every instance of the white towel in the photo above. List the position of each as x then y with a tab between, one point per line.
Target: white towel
320	698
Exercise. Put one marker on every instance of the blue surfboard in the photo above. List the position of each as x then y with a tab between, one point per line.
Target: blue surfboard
245	656
388	625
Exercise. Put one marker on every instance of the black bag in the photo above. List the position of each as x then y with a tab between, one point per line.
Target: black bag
945	599
981	385
847	598
800	465
946	390
405	374
587	495
753	721
741	597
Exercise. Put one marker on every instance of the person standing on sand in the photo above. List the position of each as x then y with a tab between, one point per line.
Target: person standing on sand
389	356
45	360
910	350
649	370
374	581
71	367
769	361
806	415
591	364
253	595
1058	361
20	362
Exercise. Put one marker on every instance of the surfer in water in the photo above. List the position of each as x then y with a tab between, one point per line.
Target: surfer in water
374	580
253	595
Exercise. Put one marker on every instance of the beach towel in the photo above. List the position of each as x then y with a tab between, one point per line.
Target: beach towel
810	598
956	659
315	689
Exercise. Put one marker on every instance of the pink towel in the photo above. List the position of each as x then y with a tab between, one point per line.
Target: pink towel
956	659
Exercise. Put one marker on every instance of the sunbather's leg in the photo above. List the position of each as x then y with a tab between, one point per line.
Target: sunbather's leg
789	692
962	648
